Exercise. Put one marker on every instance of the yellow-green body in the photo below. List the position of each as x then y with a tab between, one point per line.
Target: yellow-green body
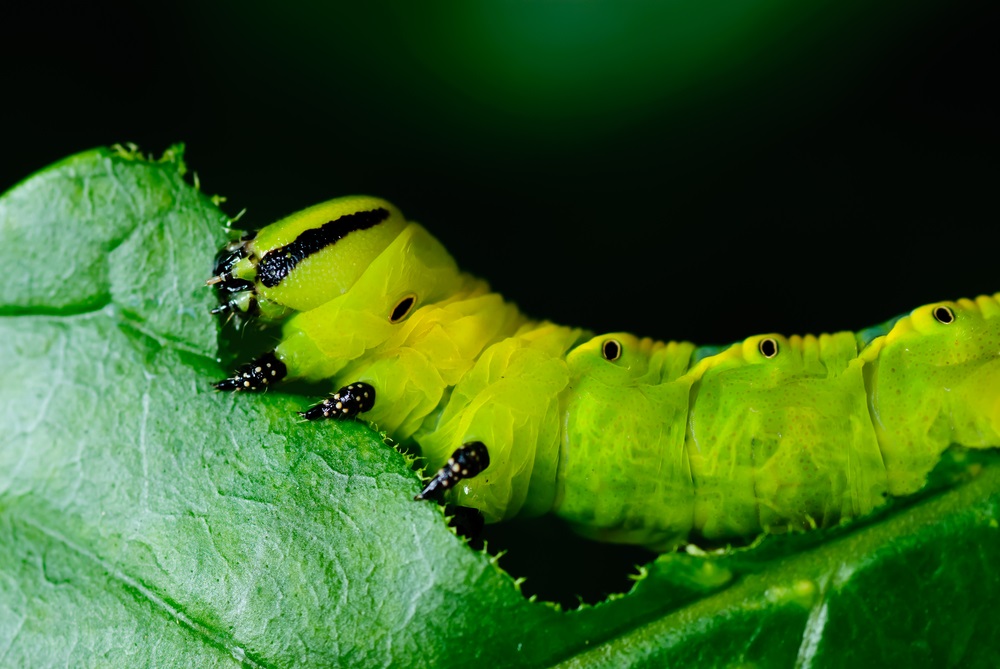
666	442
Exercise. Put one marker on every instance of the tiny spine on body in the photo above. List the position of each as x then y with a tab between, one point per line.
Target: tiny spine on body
628	439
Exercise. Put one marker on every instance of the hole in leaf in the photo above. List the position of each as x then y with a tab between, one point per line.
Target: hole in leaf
560	566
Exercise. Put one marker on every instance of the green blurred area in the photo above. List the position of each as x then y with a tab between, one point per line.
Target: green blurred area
574	74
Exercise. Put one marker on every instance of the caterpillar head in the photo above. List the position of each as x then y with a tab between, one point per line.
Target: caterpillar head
306	259
351	280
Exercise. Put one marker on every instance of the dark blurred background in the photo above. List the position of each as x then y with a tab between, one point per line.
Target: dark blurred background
659	166
652	166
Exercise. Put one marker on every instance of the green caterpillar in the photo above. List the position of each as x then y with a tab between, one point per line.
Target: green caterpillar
630	440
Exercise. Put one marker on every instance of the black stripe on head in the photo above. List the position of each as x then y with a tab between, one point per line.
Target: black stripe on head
278	263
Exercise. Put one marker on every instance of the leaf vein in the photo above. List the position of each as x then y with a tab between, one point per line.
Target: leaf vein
157	602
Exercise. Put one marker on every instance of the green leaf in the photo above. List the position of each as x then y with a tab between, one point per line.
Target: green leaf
147	520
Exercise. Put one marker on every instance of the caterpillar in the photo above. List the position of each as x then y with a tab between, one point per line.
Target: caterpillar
628	439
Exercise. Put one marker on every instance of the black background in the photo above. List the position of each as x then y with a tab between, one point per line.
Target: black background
829	173
849	178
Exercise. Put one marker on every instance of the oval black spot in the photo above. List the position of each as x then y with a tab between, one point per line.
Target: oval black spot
944	315
612	350
768	347
402	308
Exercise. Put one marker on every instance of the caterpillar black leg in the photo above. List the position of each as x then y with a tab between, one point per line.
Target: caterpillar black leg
261	373
468	523
347	402
464	463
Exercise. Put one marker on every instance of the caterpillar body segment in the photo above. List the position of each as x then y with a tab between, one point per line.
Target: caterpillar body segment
629	440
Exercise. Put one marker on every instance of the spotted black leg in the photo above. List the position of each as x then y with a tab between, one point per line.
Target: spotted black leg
261	373
347	402
464	463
